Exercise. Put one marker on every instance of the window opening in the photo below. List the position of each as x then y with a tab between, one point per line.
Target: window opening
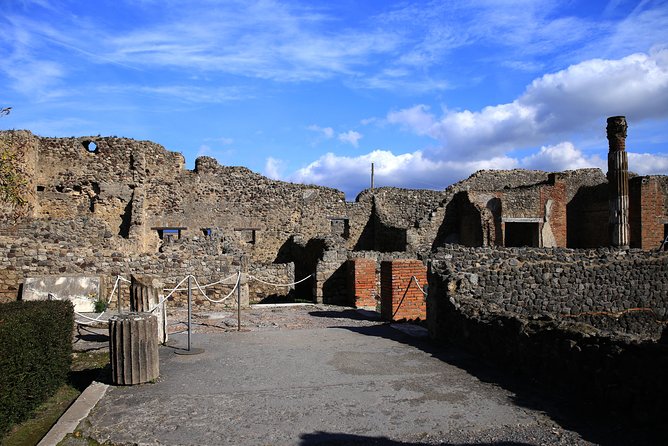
90	146
169	233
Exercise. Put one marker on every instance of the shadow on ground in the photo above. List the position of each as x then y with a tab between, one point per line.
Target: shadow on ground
569	411
356	315
339	439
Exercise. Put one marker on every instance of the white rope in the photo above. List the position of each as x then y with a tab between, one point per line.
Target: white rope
418	285
201	290
207	285
99	318
277	284
162	301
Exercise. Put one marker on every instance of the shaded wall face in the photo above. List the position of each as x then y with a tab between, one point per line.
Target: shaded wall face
587	218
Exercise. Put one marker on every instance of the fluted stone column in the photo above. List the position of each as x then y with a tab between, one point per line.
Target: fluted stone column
133	348
145	294
618	182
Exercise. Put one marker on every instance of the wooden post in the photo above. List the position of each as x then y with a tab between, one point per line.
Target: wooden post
133	348
145	294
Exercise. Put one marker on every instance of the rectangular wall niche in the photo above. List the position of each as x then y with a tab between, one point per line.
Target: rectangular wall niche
522	232
169	233
247	235
340	226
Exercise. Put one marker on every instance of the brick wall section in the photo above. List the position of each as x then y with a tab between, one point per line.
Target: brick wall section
557	194
362	283
401	299
651	211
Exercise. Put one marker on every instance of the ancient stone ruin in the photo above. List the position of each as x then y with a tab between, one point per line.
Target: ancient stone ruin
558	273
107	206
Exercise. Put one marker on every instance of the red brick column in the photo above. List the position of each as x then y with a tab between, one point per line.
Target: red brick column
400	297
362	283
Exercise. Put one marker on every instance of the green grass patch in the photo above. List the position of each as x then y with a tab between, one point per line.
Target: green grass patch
86	367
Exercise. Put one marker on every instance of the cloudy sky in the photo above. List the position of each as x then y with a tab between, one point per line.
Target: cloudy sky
315	91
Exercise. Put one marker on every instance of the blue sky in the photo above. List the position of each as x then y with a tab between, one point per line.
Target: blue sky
315	91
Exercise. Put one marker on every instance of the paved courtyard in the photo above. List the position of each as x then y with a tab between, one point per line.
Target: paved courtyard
345	380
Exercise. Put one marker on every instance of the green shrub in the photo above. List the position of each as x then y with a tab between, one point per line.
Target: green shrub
35	355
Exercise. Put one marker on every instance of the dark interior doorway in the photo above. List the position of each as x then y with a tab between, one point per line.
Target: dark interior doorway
522	234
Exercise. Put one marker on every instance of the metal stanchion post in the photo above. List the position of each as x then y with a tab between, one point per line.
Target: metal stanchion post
190	350
239	300
190	308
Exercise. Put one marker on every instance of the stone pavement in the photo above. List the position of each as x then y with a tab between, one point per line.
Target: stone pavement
345	384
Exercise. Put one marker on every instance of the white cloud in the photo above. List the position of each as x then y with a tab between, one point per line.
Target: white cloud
562	156
413	170
551	106
327	132
350	137
273	168
648	163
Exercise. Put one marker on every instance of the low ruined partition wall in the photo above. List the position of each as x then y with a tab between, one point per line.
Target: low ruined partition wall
24	257
269	281
621	291
619	373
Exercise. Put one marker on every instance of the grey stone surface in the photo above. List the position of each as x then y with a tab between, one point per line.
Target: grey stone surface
133	348
83	291
309	387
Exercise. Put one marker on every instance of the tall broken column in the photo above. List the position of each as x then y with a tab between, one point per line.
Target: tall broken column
618	182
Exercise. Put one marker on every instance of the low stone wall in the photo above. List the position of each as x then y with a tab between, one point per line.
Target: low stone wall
618	373
24	257
621	291
275	274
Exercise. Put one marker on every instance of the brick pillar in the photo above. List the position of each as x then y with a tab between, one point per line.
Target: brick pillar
362	283
618	182
400	297
651	210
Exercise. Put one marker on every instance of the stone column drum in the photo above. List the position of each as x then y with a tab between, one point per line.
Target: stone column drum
145	294
133	348
618	182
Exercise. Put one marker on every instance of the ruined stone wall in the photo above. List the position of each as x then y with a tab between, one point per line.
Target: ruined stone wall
134	186
275	275
19	150
44	249
617	374
621	291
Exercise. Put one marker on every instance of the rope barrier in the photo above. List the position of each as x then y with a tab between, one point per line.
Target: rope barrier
201	289
418	285
98	318
279	285
205	286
